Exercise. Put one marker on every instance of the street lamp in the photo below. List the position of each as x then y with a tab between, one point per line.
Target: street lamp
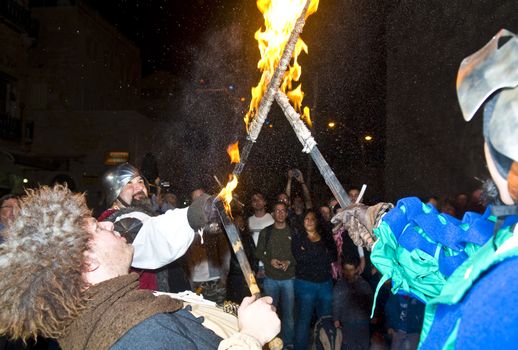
331	124
368	138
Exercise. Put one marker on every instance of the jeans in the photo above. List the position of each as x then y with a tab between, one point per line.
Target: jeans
282	290
311	296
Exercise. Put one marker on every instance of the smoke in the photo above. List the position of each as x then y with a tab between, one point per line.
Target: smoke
204	112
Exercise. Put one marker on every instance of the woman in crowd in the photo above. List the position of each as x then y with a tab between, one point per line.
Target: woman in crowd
314	251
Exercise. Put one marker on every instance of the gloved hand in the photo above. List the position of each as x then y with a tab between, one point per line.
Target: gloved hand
202	212
359	220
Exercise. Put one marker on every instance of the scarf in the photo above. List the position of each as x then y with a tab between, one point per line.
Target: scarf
113	307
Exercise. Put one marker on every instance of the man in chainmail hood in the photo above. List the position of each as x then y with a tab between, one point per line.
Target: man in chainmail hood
158	239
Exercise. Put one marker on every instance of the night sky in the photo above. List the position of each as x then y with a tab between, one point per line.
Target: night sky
380	68
212	42
167	31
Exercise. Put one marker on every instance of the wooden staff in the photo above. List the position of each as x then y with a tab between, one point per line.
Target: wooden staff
253	133
266	101
310	146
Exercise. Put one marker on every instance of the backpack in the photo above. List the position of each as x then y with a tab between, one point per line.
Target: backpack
326	336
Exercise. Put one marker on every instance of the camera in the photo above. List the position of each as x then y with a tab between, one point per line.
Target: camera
295	173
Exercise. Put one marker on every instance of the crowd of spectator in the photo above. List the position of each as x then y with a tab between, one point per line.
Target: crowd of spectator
312	271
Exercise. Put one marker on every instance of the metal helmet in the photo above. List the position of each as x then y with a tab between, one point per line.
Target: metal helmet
491	75
115	179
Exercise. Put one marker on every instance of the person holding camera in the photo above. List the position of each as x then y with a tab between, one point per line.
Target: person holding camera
299	204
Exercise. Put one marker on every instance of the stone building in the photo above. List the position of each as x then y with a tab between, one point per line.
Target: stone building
79	88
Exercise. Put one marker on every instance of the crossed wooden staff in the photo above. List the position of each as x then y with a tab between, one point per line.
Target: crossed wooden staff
304	136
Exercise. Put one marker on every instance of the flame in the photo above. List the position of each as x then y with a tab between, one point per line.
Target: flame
226	194
279	19
307	117
233	152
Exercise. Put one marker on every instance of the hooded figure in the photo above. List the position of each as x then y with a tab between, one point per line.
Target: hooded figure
464	270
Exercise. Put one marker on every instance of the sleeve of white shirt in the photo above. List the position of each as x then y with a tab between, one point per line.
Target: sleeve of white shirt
162	239
361	252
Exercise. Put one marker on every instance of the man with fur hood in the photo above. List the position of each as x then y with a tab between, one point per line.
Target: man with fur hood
64	275
158	239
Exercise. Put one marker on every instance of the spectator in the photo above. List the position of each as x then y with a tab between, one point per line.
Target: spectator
261	218
297	175
353	194
164	202
433	200
283	197
475	202
345	247
274	250
461	204
446	206
76	287
404	321
256	223
326	213
314	252
352	300
299	205
208	262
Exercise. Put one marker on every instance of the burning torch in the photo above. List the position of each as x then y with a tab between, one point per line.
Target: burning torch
259	114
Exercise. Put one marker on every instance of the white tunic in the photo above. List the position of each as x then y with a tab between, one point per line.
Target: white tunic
162	239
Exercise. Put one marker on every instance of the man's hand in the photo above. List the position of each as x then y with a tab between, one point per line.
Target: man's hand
257	318
280	264
276	263
359	220
285	264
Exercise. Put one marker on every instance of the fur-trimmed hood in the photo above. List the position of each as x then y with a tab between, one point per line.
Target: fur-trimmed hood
41	263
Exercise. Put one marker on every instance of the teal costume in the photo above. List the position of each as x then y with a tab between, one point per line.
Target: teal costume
453	266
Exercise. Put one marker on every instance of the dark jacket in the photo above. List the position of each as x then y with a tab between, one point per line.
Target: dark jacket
313	258
179	330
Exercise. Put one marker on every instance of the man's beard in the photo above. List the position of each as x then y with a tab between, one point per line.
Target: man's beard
144	202
490	194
